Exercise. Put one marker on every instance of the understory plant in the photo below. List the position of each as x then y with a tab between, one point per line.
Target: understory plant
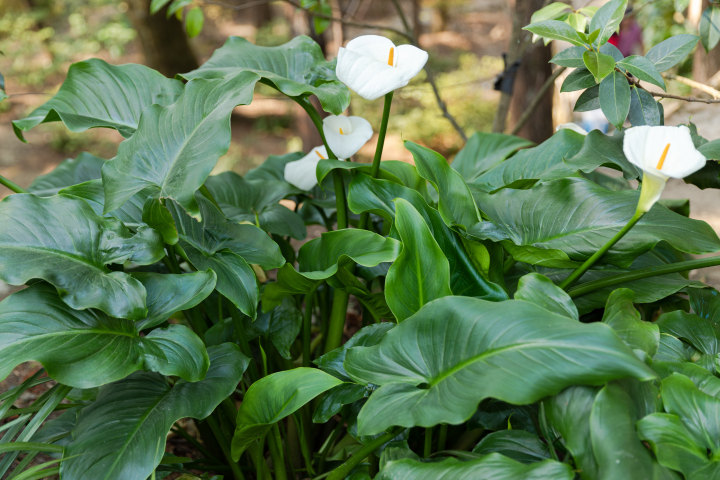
516	314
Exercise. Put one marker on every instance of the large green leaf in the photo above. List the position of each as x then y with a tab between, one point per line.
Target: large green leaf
408	286
321	258
281	325
644	110
643	69
122	434
709	27
579	79
84	348
568	413
571	57
555	30
670	52
519	445
527	166
376	196
456	205
168	293
273	398
423	365
493	466
706	303
295	68
673	444
540	290
615	98
62	240
608	19
69	172
257	201
699	415
576	217
176	147
616	446
485	150
333	362
599	64
131	213
702	334
620	314
227	248
97	94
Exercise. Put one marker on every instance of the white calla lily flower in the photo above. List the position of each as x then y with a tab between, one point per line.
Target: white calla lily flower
301	173
572	126
661	153
346	135
372	65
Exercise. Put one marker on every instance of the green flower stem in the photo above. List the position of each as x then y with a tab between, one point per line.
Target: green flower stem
442	438
276	453
12	185
340	298
307	325
225	446
428	442
340	203
342	471
580	271
237	319
337	320
589	287
365	217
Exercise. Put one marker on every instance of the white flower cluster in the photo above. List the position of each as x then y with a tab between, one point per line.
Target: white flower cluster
371	66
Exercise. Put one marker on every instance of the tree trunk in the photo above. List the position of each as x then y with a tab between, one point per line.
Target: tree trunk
163	40
534	71
705	64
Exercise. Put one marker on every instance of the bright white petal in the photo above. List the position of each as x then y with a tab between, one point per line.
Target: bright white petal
345	146
652	188
301	173
336	122
682	158
361	127
368	78
410	60
634	145
572	126
373	46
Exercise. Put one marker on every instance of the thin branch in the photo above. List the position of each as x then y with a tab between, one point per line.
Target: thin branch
350	24
668	95
430	76
236	7
403	18
527	114
442	105
696	85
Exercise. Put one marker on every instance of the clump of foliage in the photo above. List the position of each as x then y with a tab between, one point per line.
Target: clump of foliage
524	315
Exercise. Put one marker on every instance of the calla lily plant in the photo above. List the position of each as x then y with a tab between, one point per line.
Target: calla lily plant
661	153
346	135
301	173
373	66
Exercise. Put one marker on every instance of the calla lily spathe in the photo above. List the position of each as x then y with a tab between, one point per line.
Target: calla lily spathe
661	153
372	65
346	135
301	173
